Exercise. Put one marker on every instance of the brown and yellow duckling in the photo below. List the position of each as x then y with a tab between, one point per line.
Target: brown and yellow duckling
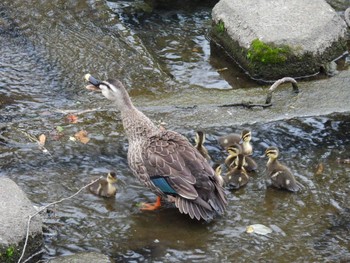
280	175
104	186
229	139
199	145
242	139
231	160
247	148
237	176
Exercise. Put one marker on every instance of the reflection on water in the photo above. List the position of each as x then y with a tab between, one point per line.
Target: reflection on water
48	49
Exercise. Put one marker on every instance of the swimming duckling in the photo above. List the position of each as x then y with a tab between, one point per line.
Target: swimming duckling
231	160
242	139
199	145
228	140
104	187
237	176
233	152
217	168
280	175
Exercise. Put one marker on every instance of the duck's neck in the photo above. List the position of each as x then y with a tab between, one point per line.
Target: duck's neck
239	161
247	147
271	162
137	125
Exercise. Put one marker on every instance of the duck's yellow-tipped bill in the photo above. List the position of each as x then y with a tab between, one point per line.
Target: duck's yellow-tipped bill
87	76
94	83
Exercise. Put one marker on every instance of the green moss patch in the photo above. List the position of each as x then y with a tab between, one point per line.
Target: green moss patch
220	27
9	255
267	54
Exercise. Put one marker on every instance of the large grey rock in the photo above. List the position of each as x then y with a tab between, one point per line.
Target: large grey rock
88	257
274	39
15	208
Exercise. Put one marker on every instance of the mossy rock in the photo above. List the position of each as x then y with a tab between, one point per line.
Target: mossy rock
268	61
11	253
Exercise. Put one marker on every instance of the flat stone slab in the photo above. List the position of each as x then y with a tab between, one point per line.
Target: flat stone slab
201	109
15	207
275	39
88	257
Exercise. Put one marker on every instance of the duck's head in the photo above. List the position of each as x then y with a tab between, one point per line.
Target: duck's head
246	135
112	89
272	152
111	177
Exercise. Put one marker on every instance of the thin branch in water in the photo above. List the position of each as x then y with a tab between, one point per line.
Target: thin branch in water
46	206
34	255
34	139
78	112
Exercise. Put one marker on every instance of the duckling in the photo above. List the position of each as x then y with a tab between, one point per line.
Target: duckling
247	148
231	160
237	176
233	152
280	175
228	140
199	145
243	139
104	187
217	168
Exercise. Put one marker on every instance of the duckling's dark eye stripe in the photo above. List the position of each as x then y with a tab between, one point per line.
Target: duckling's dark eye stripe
246	135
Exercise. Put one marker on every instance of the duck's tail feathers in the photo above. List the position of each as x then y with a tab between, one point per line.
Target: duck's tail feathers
193	209
200	209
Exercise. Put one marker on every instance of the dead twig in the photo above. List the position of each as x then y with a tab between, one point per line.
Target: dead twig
247	105
46	206
78	112
34	139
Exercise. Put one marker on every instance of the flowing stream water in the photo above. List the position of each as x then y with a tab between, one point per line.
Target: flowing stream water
48	46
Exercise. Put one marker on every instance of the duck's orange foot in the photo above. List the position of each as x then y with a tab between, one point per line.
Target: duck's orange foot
151	206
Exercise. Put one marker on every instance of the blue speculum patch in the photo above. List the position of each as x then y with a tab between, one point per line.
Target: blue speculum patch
163	185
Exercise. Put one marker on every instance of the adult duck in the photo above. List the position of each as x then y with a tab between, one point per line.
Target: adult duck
164	160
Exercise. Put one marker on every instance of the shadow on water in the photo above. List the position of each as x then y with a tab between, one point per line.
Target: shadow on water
49	48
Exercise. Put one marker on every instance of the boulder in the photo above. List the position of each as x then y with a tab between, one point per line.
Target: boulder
15	208
275	39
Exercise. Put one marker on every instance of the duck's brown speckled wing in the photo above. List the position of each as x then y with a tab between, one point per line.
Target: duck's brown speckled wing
176	168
